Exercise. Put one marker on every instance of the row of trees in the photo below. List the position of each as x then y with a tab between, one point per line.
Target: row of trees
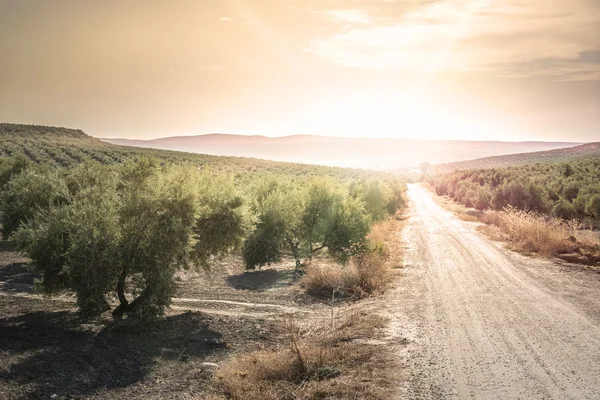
564	190
122	231
66	148
323	214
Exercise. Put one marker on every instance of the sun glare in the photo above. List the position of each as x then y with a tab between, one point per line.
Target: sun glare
383	115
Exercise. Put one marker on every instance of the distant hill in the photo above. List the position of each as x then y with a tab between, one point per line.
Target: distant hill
64	148
344	152
47	131
559	155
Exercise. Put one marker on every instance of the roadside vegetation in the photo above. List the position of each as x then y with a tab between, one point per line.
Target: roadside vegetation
550	209
368	271
328	359
564	190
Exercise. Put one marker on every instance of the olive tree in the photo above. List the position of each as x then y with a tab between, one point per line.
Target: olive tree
304	221
379	199
322	198
26	193
349	225
277	227
125	232
74	243
12	166
593	206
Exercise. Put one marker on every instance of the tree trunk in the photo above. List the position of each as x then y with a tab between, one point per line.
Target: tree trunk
120	289
294	248
135	304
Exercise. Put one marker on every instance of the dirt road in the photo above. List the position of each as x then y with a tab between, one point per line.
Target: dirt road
486	323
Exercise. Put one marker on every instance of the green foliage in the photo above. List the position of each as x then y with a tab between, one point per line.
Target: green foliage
562	190
380	199
317	215
124	230
318	210
12	166
263	246
101	220
593	206
570	190
564	210
224	219
45	239
348	225
278	207
28	192
396	200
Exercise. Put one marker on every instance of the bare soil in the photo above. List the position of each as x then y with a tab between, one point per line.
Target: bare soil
480	321
46	351
229	281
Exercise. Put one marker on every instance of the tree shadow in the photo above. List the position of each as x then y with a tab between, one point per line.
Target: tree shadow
18	272
16	288
7	245
261	281
53	353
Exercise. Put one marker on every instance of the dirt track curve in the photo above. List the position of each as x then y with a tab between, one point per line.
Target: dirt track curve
486	323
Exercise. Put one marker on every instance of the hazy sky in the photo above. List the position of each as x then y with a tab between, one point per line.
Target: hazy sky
455	69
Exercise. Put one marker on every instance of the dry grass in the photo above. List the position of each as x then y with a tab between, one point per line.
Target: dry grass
529	232
330	357
315	362
461	211
383	231
367	273
534	233
364	275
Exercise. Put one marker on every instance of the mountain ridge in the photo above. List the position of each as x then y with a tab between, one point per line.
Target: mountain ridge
372	153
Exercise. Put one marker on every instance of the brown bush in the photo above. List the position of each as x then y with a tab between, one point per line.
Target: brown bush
532	232
365	274
368	271
314	363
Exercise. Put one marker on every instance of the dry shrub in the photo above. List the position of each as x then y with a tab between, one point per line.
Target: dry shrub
322	278
276	374
367	272
382	231
532	232
364	275
327	363
588	238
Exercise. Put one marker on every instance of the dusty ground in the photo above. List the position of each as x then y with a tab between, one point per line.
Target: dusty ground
482	322
469	319
46	350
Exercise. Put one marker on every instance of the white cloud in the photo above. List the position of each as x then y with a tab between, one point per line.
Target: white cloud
459	35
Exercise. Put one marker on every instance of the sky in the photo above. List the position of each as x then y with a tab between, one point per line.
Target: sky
445	69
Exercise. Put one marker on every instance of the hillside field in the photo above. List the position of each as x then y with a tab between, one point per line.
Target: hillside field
567	154
122	267
63	147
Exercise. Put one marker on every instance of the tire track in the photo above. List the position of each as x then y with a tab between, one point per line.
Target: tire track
491	324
